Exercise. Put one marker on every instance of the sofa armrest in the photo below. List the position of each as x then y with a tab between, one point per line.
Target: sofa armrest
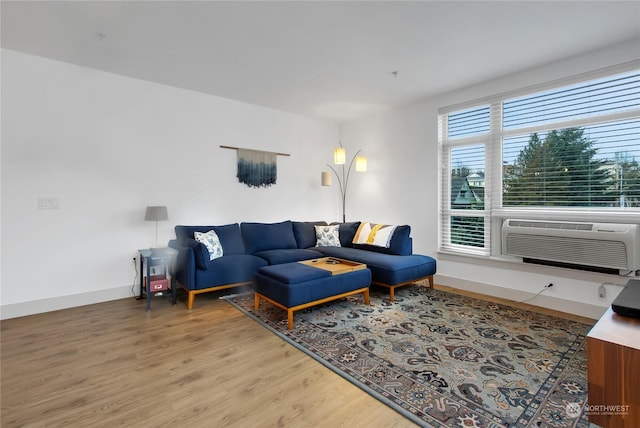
185	265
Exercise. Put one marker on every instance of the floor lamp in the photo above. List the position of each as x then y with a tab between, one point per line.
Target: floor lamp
340	158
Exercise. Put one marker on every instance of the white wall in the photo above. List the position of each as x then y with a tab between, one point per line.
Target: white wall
403	150
106	146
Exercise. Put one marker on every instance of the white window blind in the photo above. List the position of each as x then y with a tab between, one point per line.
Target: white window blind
595	98
465	225
468	123
589	159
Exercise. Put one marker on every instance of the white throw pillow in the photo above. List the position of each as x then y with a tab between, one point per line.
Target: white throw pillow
328	236
211	241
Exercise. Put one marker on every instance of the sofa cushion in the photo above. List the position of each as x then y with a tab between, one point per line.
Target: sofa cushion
186	232
268	236
400	243
347	232
288	255
293	273
231	239
387	268
305	232
328	236
211	241
229	235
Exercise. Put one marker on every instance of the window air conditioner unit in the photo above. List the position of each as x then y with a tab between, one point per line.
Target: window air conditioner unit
607	246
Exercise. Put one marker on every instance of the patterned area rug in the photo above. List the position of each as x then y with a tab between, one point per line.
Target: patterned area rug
446	360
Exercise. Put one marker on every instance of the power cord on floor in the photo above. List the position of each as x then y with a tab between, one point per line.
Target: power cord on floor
546	287
135	268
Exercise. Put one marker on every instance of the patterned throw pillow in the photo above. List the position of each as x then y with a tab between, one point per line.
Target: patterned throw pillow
328	236
378	235
211	241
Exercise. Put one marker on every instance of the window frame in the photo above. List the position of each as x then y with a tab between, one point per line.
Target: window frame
494	211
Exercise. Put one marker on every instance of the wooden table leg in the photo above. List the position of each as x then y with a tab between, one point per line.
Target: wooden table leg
289	319
191	295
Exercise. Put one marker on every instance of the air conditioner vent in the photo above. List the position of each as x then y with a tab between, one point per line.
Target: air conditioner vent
551	225
588	252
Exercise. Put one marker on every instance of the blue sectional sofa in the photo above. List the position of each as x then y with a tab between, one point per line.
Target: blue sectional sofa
250	246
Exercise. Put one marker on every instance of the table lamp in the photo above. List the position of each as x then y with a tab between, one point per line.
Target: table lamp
156	213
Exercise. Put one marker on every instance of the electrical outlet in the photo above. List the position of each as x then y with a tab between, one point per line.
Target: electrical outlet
602	292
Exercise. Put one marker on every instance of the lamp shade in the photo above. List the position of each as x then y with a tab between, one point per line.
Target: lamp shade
339	156
361	164
326	178
157	213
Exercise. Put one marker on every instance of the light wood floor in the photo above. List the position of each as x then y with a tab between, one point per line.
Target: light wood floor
114	364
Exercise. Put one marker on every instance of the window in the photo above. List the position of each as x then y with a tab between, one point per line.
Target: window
573	147
465	218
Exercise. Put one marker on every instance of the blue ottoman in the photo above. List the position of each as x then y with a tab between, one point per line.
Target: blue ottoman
295	286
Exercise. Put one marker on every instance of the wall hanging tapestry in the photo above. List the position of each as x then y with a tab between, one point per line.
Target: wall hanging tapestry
256	168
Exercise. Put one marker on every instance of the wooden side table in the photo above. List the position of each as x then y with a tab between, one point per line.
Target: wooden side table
613	363
160	258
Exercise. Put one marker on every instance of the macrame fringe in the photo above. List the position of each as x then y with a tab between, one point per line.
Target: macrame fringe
257	168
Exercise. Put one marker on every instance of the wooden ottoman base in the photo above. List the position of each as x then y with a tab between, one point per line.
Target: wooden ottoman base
290	311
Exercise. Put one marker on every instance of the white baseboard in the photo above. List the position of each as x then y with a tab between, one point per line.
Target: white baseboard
16	310
545	301
56	303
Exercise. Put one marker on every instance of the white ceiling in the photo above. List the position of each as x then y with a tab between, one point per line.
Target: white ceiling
327	59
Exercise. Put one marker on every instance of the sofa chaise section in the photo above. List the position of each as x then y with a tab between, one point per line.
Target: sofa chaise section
392	266
388	270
